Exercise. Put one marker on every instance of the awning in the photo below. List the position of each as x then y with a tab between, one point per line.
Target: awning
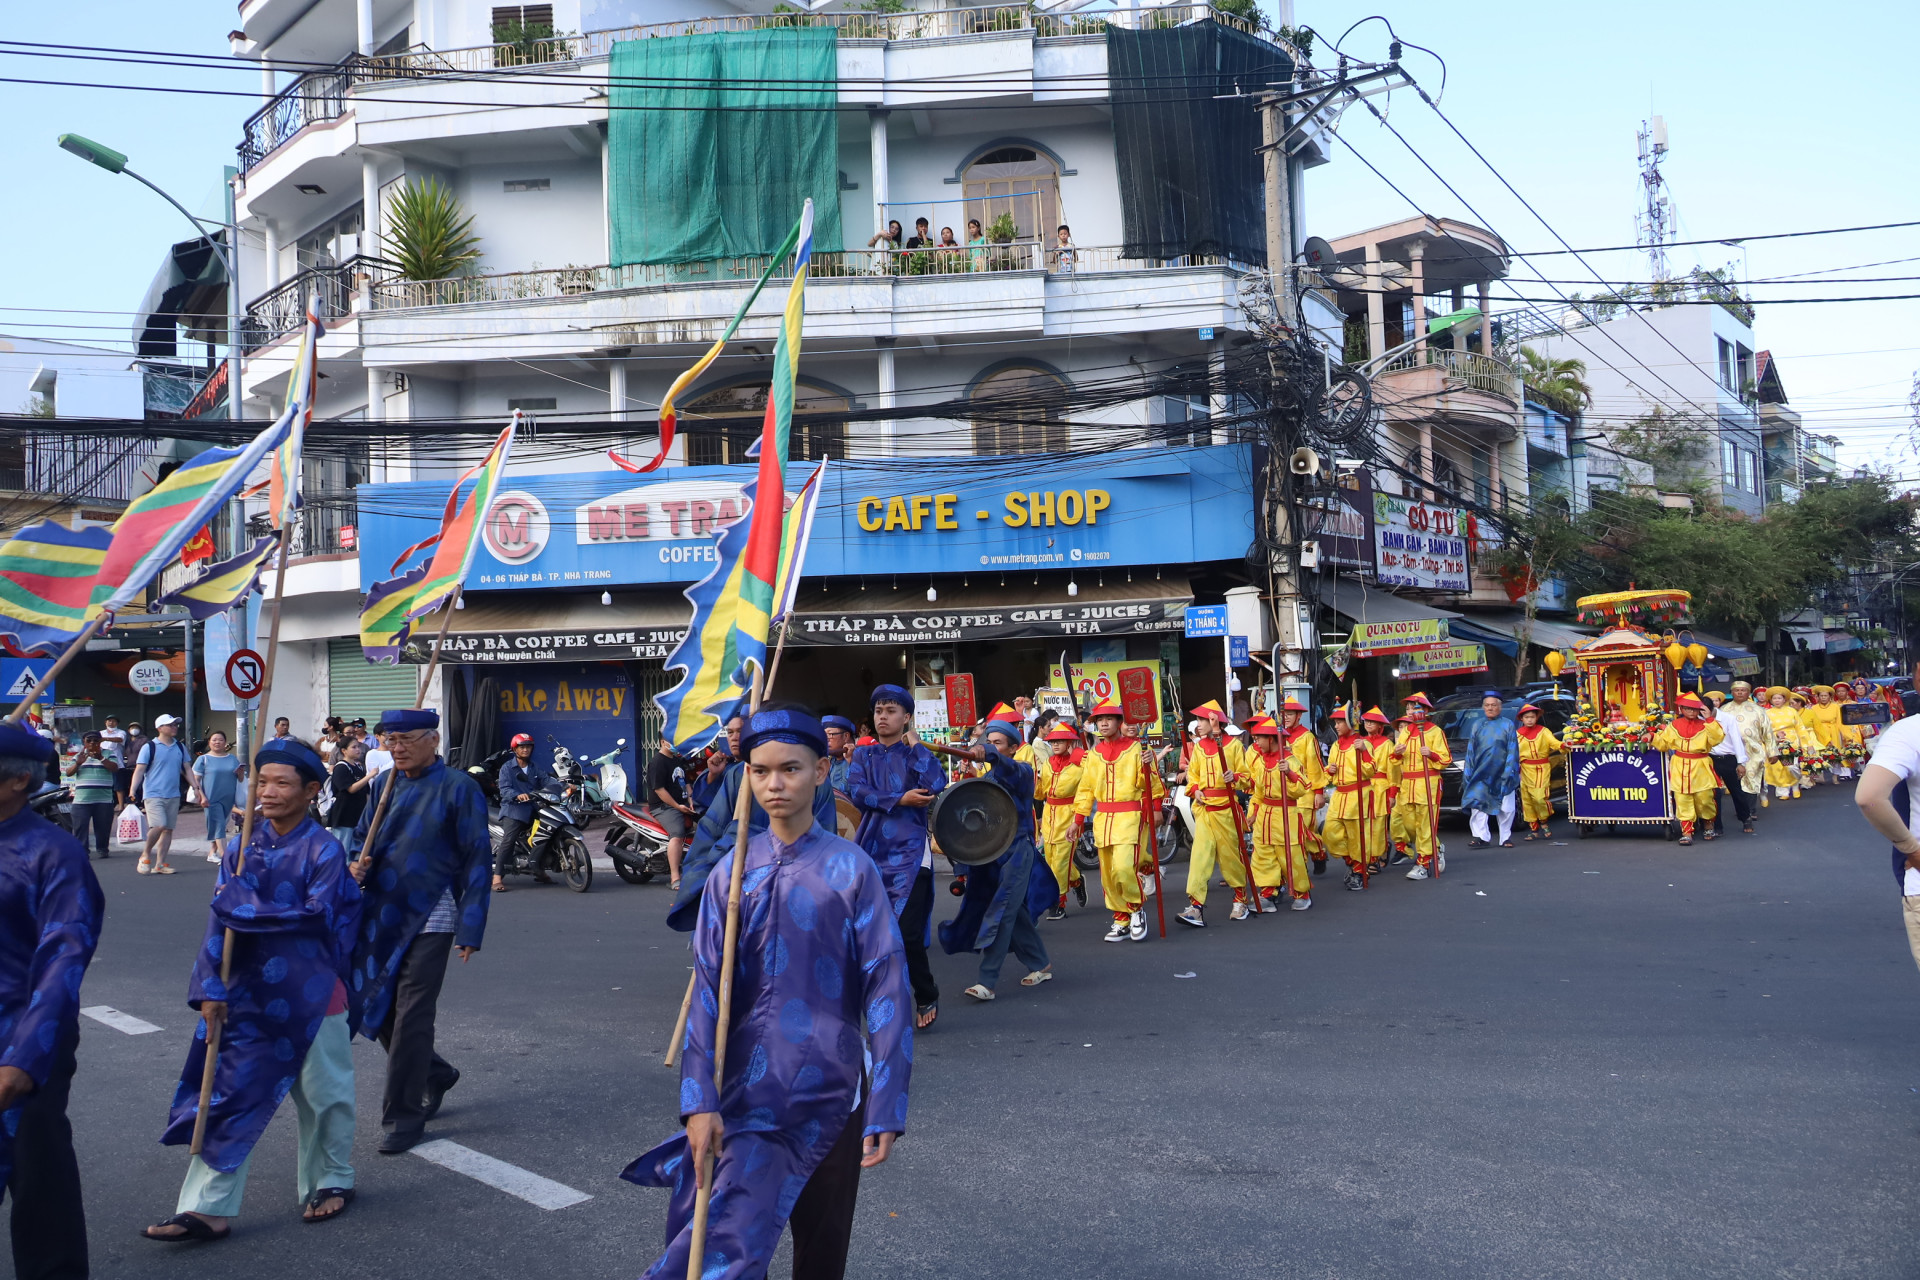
1358	602
850	616
510	627
191	289
1545	633
1739	660
1440	324
1842	642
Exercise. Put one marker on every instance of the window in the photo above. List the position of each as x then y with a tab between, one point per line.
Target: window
743	405
1446	474
1024	415
1742	369
1726	363
1729	465
1019	181
331	243
533	404
1194	411
527	184
522	15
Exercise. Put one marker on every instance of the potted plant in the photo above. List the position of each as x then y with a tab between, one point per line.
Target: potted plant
1001	231
429	237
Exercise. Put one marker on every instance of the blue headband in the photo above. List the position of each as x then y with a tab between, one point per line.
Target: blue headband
839	722
300	756
892	693
24	744
1001	726
796	727
407	721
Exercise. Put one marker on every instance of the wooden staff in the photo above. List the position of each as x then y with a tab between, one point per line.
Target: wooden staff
1434	784
703	1197
419	701
217	1024
1152	819
79	644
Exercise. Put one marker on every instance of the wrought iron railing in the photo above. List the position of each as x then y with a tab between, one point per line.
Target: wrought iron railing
317	530
1467	369
279	310
962	260
314	97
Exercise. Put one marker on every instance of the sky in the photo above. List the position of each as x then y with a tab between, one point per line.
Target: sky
1552	94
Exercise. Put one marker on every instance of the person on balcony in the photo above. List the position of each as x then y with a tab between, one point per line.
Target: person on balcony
976	246
1063	254
888	242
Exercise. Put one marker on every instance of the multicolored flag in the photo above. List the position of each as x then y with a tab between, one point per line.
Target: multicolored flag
793	542
47	574
669	415
223	585
390	607
733	607
282	485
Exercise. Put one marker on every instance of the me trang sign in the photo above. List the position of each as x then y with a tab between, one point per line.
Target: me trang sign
944	515
1417	545
1444	660
1618	786
1370	639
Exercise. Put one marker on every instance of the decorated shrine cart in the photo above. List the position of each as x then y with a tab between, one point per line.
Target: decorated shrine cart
1628	684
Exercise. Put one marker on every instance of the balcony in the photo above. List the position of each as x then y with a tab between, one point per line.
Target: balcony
1458	371
279	311
313	98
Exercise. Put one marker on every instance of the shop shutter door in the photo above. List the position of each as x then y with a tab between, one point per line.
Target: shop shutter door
649	678
358	689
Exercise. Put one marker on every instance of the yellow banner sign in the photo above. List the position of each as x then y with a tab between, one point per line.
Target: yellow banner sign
1373	638
1443	660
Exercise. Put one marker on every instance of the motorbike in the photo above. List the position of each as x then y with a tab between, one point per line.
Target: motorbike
613	778
555	843
1173	833
54	803
637	844
590	801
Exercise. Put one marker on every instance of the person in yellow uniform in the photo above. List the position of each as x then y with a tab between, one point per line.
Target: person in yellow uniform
1538	750
1304	750
1209	773
1056	780
1690	772
1283	784
1789	744
1821	720
1381	791
1853	743
1349	770
1423	753
1118	776
1006	714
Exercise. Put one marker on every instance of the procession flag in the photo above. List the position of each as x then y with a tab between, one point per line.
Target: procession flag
801	236
282	485
47	572
734	606
223	585
391	606
793	542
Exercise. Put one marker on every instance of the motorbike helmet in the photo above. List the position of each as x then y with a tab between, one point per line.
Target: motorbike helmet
519	738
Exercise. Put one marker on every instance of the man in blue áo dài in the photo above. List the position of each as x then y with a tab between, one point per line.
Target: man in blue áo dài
717	833
293	907
840	735
50	909
426	876
894	781
1004	896
1491	776
819	989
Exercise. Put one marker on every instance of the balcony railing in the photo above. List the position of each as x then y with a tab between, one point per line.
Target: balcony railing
278	311
317	530
1462	369
322	95
965	260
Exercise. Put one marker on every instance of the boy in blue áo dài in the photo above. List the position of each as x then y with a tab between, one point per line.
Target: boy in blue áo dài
819	989
894	781
293	906
50	911
1004	897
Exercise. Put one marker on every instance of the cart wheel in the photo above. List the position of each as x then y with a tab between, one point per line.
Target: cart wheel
1670	832
1585	829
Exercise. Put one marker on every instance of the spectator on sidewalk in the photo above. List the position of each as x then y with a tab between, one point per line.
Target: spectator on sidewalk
90	772
160	775
216	776
667	802
350	783
113	742
379	759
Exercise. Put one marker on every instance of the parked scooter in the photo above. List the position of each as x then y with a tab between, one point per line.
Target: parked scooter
589	799
54	803
555	843
637	844
613	777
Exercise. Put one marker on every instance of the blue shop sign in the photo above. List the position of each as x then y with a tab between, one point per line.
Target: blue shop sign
924	515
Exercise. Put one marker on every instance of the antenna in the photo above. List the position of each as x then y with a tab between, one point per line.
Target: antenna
1653	225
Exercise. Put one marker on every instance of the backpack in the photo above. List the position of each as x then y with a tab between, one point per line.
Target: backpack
325	803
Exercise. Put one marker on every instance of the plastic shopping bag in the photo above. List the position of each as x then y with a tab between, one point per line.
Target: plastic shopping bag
130	827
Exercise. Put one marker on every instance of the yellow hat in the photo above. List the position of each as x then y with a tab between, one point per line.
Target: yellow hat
1777	691
1209	710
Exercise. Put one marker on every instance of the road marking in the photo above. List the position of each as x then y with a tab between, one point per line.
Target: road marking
119	1021
512	1179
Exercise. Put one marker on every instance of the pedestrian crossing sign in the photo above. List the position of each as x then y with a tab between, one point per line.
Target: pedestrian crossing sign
18	675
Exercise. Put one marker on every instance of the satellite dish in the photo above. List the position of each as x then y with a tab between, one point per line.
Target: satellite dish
1317	253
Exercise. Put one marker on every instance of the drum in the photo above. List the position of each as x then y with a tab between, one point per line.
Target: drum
973	821
847	817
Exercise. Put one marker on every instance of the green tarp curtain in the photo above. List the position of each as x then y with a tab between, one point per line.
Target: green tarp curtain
1189	168
715	141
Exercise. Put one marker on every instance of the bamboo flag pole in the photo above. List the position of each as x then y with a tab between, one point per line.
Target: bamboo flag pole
729	953
215	1025
79	644
419	701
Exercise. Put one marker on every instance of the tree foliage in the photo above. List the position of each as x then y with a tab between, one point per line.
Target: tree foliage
1561	385
428	236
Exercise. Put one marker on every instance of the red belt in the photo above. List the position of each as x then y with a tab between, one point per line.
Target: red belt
1348	786
1691	755
1216	793
1060	800
1120	806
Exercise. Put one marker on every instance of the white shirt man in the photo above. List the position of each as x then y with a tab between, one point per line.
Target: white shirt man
379	759
1729	756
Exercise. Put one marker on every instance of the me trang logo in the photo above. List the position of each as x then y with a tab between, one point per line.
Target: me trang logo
517	527
675	510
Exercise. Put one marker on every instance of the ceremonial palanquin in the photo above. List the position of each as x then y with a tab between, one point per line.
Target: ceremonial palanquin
1628	681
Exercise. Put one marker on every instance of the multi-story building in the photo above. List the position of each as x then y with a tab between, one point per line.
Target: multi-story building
627	170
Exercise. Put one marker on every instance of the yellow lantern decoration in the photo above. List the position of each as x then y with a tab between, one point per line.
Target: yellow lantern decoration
1676	655
1698	653
1555	660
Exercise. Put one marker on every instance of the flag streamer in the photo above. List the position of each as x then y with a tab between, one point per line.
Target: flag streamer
223	585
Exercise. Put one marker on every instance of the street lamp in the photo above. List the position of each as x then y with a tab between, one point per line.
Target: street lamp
116	162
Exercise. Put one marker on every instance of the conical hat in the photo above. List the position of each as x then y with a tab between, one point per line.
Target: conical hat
1209	710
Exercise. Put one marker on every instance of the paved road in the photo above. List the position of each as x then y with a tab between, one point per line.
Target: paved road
1613	1057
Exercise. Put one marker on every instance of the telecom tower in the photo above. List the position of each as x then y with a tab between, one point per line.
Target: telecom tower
1653	225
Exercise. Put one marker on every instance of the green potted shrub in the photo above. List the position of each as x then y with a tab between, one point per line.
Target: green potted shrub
429	237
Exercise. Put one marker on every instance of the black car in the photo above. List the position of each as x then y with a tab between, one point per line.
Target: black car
1453	714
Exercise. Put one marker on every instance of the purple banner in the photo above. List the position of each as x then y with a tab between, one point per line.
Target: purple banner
1618	786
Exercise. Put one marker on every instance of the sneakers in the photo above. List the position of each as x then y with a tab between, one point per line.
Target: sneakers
1118	933
1397	857
1418	873
1193	916
1080	892
1301	904
1267	904
1137	926
1056	913
1319	866
1440	858
1354	882
1239	911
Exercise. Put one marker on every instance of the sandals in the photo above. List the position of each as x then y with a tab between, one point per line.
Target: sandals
164	869
500	886
1507	843
1037	977
192	1227
343	1194
924	1016
979	991
144	868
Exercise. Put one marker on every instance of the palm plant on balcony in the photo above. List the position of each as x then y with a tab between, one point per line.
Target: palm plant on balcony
1561	385
429	236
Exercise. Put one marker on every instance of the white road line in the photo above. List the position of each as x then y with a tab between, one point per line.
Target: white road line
512	1179
120	1021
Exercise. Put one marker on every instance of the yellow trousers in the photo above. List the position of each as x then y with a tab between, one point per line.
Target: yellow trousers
1780	774
1120	874
1379	832
1059	855
1216	842
1536	802
1689	805
1271	864
1343	837
1418	819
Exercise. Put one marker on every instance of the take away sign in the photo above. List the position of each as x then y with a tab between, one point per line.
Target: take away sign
1371	639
